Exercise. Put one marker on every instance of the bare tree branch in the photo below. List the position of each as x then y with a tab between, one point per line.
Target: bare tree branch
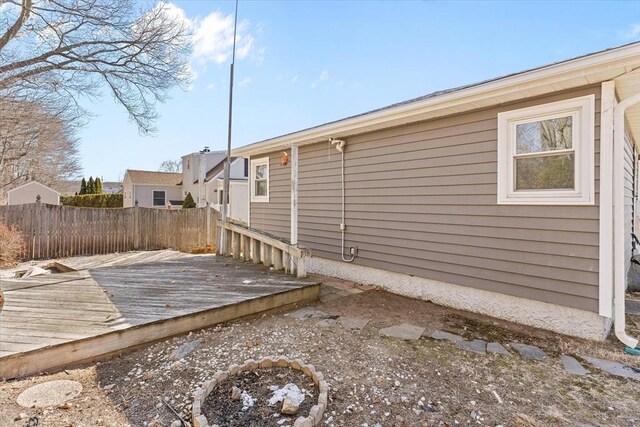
74	48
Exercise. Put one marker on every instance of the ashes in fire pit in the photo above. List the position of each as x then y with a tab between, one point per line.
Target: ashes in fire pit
243	400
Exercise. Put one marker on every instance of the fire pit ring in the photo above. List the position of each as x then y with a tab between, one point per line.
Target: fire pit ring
315	414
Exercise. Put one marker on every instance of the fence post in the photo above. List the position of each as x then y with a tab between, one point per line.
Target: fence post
37	235
207	241
136	227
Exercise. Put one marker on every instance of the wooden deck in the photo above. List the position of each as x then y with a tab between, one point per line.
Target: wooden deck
126	300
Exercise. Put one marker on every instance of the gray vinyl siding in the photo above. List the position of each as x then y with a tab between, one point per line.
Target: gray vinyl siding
421	200
274	217
629	187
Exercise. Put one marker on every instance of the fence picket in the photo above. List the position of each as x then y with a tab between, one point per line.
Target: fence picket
61	231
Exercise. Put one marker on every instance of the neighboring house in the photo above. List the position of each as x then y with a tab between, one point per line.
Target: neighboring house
202	175
238	208
496	197
210	165
152	189
29	192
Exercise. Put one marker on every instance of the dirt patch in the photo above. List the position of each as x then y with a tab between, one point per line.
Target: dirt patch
373	379
219	408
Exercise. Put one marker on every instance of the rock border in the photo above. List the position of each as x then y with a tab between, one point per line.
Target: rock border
315	414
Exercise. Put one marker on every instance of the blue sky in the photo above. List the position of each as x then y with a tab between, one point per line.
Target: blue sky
305	63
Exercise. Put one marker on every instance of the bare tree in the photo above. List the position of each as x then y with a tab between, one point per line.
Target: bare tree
59	51
35	145
170	166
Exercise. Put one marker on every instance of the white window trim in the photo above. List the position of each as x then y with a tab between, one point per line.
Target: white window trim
582	110
153	197
254	163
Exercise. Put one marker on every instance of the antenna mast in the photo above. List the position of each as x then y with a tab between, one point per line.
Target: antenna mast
227	165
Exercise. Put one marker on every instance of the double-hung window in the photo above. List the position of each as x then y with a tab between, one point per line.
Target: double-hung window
260	180
546	154
159	198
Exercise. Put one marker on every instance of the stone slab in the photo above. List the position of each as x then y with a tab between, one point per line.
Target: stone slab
615	368
497	348
573	367
403	331
527	351
325	323
182	351
442	335
632	306
306	313
475	346
353	322
50	393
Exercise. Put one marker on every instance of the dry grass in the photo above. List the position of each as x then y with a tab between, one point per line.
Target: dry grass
12	247
211	249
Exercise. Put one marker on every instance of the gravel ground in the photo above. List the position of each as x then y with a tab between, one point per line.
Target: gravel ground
373	379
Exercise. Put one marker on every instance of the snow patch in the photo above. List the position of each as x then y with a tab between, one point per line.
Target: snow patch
247	400
290	391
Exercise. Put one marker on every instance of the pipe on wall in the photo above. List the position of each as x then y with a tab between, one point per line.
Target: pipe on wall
339	143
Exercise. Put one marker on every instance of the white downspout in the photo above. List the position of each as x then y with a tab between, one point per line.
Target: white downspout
606	282
618	223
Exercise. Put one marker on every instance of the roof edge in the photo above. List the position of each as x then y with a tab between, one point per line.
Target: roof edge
34	182
409	111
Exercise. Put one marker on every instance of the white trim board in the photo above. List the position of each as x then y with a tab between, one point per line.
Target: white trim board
539	314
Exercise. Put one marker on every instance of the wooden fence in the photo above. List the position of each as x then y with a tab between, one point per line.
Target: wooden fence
61	231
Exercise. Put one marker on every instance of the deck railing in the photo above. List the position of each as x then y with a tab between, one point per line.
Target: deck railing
248	244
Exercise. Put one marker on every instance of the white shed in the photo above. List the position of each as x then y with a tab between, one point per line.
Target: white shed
29	192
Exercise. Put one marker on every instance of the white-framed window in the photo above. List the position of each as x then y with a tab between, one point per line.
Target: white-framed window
260	179
546	154
159	198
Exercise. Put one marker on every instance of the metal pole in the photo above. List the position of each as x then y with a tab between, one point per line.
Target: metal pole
227	165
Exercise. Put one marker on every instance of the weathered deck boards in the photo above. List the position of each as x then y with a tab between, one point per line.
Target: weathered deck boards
59	319
123	258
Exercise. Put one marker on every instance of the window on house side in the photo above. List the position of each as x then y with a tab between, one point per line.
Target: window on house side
546	154
260	180
159	198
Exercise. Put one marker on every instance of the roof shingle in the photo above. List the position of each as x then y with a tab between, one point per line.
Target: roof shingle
154	178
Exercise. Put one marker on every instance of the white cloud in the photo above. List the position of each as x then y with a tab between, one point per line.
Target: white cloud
245	82
211	86
633	32
323	77
294	78
213	39
213	36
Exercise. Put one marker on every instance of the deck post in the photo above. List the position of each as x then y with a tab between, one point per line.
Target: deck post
276	256
302	267
255	251
246	248
286	262
266	254
227	242
235	244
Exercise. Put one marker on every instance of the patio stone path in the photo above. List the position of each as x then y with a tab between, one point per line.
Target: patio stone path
497	348
614	368
475	346
441	335
527	351
403	331
353	322
573	367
